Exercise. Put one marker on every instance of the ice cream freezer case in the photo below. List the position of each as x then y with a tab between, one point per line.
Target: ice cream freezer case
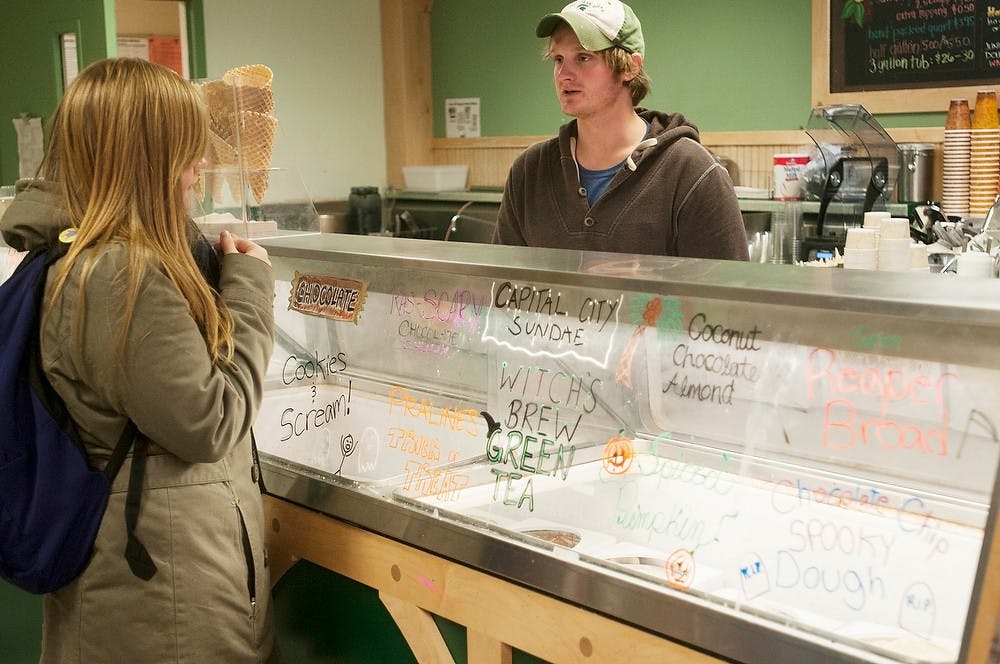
761	462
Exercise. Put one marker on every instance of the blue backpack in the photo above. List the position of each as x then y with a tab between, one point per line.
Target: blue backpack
51	500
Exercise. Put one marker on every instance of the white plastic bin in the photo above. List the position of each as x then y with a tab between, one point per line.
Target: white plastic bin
436	178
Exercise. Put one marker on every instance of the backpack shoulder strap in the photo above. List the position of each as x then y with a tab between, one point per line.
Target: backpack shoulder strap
117	458
138	558
52	402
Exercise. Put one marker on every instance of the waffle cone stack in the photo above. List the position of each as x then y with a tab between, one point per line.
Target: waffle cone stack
226	159
257	131
242	129
255	76
207	179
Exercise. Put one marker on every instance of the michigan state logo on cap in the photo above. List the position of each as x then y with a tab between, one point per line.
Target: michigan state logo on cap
598	24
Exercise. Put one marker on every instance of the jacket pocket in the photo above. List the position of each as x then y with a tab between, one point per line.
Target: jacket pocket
248	555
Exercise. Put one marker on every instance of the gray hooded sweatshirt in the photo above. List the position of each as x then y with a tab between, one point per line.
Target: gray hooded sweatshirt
670	198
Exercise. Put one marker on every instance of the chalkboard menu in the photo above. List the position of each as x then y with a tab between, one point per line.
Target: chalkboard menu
896	44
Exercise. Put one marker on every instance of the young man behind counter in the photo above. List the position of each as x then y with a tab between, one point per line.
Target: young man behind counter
617	178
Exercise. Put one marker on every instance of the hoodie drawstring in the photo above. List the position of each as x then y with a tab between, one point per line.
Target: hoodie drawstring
643	144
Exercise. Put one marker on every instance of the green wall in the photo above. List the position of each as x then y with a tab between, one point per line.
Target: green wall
728	65
29	49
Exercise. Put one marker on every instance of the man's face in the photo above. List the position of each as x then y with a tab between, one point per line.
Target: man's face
585	84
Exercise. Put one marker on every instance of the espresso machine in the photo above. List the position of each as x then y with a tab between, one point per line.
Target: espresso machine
852	169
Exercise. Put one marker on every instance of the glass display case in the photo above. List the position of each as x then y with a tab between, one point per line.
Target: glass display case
765	462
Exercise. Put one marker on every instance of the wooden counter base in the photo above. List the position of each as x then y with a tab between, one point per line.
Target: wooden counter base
498	615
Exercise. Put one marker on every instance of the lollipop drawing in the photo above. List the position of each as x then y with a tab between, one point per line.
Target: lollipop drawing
347	447
662	314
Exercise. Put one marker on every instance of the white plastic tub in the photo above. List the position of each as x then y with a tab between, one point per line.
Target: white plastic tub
436	178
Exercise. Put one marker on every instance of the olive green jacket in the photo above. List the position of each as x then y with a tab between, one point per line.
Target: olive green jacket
202	517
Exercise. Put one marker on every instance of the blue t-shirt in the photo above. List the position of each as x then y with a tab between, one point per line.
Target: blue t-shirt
596	182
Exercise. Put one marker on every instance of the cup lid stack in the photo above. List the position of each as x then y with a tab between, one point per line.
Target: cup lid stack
861	249
894	245
918	257
874	219
976	264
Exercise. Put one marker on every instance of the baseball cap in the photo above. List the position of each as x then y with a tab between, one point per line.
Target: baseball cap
598	24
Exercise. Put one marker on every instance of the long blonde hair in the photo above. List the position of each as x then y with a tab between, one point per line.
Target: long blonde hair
121	137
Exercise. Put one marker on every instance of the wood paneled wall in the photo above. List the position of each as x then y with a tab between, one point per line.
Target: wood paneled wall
406	81
749	155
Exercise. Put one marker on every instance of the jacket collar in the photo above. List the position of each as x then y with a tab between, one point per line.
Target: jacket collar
36	217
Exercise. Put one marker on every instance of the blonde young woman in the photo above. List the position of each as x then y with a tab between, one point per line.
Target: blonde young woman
133	331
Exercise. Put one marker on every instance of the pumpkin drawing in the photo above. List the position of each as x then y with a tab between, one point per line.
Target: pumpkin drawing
618	453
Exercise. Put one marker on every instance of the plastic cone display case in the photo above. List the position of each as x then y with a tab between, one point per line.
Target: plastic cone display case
241	189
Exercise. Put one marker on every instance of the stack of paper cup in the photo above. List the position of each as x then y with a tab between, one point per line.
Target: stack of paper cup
861	249
984	153
918	257
955	159
984	169
873	220
894	227
976	264
894	245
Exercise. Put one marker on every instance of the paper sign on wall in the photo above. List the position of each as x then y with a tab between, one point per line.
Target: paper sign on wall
70	57
133	47
30	146
167	52
462	118
161	50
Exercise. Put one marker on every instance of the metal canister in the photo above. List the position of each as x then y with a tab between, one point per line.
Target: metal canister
916	173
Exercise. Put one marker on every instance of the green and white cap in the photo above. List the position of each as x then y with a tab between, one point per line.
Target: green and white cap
598	24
